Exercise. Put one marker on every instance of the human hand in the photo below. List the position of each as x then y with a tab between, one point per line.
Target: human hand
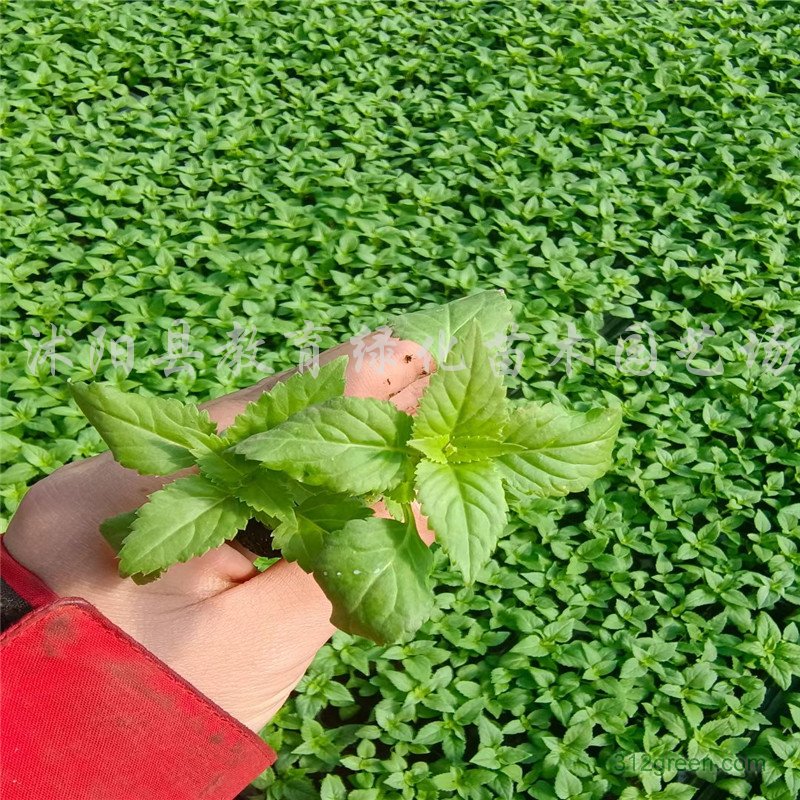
242	638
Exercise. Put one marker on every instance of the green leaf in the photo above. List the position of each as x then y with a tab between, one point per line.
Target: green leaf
564	451
676	791
184	519
153	435
348	444
226	469
397	510
302	535
404	491
284	531
470	401
567	785
434	328
263	563
466	507
376	573
332	788
286	398
268	491
432	447
143	578
115	529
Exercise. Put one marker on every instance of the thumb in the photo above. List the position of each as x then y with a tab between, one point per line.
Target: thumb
286	617
270	627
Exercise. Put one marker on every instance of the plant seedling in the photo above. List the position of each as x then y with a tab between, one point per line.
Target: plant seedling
307	462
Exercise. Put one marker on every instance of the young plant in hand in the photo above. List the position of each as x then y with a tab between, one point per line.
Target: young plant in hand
307	462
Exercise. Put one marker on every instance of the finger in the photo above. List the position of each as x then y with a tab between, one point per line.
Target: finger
407	399
404	362
273	639
287	619
284	617
384	379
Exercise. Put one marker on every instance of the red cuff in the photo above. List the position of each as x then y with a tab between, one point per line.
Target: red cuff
28	586
87	712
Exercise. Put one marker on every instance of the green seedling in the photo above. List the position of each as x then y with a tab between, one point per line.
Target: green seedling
308	463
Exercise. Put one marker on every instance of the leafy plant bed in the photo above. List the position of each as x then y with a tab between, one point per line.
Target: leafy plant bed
274	164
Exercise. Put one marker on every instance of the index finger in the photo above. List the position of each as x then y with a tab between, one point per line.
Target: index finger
400	377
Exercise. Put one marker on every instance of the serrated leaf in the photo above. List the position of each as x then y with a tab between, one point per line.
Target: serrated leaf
404	491
348	444
434	328
115	530
376	573
470	401
286	398
303	534
675	791
396	509
228	470
466	507
153	435
268	492
564	451
282	530
184	519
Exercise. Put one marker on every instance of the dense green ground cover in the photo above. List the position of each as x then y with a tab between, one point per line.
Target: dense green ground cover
274	163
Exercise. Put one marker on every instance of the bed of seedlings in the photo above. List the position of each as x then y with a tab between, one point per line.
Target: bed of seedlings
195	190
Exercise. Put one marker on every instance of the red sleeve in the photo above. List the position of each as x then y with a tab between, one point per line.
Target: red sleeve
87	712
